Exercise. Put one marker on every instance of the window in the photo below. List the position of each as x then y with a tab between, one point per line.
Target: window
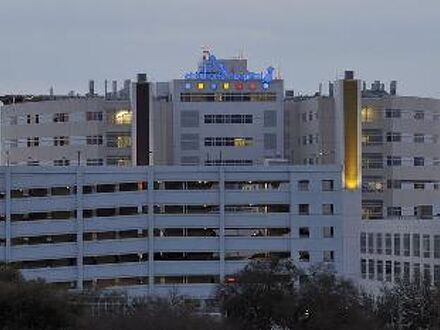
416	245
379	270
303	209
419	161
419	114
388	244
388	266
120	117
327	209
304	232
437	246
419	185
94	139
419	138
61	140
303	185
61	162
379	243
94	115
119	140
394	211
95	162
370	243
406	245
392	113
371	269
363	242
61	117
394	137
329	232
397	271
228	119
327	185
397	244
426	246
33	119
304	256
33	163
33	141
228	141
328	256
394	161
364	268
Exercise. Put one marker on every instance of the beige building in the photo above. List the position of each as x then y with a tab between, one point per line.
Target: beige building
400	148
66	131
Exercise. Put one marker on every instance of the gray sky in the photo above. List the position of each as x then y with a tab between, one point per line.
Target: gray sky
66	43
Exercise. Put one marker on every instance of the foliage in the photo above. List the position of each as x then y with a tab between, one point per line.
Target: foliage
410	305
276	294
153	313
34	304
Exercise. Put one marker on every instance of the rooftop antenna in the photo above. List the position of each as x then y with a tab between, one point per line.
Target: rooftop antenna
278	73
206	51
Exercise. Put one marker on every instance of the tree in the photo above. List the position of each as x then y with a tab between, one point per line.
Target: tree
261	296
332	302
275	294
34	304
410	305
152	313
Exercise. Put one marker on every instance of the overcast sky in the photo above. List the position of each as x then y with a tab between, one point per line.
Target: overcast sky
64	43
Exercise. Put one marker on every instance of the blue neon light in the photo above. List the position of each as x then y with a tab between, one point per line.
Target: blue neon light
213	69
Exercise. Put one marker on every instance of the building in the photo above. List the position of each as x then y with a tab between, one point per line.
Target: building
65	130
222	114
400	177
152	229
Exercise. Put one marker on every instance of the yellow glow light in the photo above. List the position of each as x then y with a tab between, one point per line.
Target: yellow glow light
200	85
226	85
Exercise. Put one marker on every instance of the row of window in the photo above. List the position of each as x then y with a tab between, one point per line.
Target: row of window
110	161
302	209
120	117
389	271
416	245
375	161
113	140
302	185
228	141
228	97
228	119
302	256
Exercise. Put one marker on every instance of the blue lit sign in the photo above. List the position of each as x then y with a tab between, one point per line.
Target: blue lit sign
213	69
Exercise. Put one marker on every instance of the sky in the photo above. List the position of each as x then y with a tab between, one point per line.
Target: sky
64	43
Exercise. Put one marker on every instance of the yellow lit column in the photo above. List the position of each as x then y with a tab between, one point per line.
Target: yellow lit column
348	130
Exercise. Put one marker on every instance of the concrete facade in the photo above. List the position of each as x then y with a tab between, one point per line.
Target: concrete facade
152	229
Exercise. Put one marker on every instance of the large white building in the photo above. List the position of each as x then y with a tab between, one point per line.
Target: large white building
152	229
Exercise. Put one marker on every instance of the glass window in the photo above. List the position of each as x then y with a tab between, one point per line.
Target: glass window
397	244
303	209
388	244
327	209
406	245
416	245
426	246
363	242
379	270
327	185
304	232
303	185
379	243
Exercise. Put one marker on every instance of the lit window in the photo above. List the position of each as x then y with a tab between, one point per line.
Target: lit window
265	85
187	85
242	142
200	85
226	85
214	86
239	86
122	117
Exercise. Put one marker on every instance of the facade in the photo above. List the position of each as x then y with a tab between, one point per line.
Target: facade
391	250
222	114
63	131
400	149
153	229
